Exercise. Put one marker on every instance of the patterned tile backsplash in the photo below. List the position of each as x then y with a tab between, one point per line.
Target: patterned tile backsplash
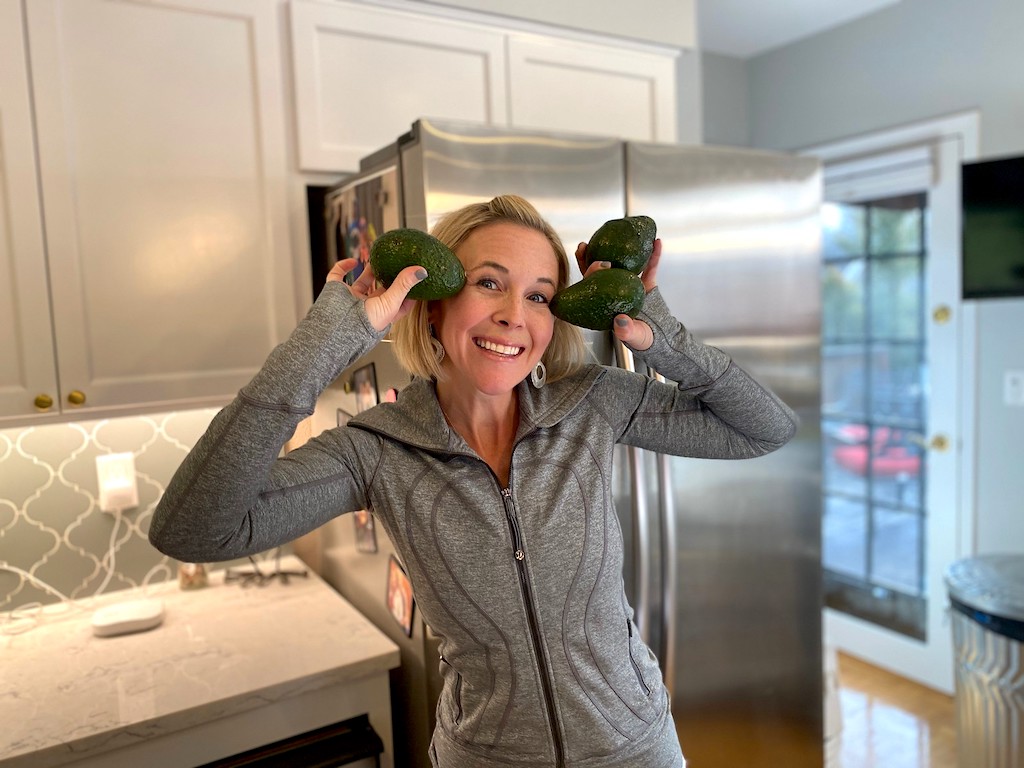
51	526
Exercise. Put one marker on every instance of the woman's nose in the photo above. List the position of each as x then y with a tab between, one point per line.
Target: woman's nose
510	313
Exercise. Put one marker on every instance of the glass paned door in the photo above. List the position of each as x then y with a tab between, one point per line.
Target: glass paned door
874	375
893	509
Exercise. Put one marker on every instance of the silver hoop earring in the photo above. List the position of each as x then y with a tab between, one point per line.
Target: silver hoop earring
539	375
435	345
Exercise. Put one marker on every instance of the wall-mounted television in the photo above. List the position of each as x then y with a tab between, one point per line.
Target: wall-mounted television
992	192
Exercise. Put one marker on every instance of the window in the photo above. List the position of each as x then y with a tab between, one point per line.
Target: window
874	406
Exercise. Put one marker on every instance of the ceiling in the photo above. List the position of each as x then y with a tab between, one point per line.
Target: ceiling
746	28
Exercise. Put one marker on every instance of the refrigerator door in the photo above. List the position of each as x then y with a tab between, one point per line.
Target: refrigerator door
577	183
740	268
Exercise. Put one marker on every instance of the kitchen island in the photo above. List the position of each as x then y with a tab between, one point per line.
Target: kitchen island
233	666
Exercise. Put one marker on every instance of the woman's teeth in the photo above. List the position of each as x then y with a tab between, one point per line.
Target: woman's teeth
500	349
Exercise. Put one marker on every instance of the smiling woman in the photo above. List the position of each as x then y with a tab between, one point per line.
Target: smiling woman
491	479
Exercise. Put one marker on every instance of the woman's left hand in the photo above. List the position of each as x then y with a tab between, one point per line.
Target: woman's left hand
383	305
635	334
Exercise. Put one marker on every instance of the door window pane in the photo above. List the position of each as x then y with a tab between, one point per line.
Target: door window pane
896	550
844	233
843	293
873	407
845	536
844	388
896	225
896	296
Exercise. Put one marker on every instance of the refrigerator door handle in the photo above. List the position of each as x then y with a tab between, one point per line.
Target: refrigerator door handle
667	519
638	511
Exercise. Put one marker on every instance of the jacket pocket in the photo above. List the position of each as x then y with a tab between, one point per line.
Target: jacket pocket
456	693
634	662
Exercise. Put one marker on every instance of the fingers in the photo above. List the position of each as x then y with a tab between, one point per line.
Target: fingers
649	275
635	334
385	307
339	270
596	266
581	257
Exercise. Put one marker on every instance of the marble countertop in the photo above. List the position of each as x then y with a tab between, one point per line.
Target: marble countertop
221	650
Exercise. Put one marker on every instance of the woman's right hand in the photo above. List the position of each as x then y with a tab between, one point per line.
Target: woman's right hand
383	305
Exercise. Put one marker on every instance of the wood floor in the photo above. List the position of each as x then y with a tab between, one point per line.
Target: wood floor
890	722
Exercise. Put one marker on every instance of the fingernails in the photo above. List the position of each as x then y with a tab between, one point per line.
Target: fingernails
621	322
421	274
606	265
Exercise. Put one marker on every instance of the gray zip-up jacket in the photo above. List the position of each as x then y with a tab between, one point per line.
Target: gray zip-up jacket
541	661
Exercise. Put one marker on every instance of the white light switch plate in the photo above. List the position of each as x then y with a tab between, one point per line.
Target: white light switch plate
116	475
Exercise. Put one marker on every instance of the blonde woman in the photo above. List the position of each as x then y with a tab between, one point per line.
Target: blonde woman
492	476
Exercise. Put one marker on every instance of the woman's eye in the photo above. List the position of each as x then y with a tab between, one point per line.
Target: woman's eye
486	282
540	298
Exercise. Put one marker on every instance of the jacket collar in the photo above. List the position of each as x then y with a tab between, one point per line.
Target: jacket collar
416	418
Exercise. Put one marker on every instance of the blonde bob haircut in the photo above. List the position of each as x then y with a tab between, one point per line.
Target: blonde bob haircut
411	334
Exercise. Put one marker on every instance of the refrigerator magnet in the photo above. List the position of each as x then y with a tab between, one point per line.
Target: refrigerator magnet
366	532
400	602
364	382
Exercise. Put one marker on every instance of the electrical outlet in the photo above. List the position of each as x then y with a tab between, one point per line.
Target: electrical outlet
116	475
1013	388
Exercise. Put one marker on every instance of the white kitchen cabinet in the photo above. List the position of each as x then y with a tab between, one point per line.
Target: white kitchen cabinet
27	366
364	74
160	137
594	88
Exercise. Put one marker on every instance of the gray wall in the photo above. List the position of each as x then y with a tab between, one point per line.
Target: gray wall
725	100
916	60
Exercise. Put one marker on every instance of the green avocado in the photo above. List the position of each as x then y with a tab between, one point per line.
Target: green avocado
595	300
627	243
400	248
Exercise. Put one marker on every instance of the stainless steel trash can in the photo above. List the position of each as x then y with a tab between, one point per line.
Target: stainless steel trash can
986	594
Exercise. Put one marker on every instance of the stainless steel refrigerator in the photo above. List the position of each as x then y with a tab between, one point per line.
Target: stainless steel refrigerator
723	557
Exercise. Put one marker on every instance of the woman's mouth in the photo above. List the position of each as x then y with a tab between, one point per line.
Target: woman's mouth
499	349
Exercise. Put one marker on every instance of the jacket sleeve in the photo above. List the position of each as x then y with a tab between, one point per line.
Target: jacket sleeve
714	409
233	495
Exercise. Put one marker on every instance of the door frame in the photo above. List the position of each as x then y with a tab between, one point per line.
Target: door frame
928	663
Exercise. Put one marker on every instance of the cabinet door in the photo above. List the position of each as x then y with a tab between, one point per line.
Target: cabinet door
364	75
160	133
27	366
581	87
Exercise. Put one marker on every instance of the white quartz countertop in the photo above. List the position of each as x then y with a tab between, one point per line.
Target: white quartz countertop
66	694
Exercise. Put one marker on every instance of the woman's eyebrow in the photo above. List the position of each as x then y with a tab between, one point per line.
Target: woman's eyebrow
504	270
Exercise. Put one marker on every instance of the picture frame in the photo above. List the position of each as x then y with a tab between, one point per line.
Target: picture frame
399	596
343	417
366	531
364	386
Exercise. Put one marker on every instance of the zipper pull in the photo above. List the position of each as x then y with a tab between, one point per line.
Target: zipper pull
506	493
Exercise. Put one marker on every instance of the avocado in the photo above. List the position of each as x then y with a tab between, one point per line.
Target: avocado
595	300
400	248
627	243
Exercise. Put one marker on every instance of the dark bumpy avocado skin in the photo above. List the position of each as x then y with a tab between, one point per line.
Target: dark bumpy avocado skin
400	248
595	301
627	243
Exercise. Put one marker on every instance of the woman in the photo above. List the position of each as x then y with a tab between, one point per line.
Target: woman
492	476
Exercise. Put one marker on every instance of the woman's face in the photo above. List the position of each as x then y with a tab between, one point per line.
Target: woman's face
495	330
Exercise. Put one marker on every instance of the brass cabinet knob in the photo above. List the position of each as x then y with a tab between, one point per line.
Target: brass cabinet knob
76	397
939	443
941	314
43	402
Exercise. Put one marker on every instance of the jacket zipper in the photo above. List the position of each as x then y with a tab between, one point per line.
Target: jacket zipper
524	585
632	660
